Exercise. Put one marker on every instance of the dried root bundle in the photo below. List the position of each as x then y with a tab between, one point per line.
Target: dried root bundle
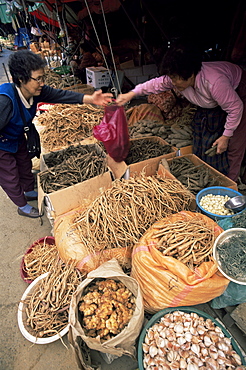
120	216
47	306
41	259
190	241
66	124
81	163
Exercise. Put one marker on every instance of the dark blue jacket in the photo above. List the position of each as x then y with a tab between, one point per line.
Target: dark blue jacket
12	134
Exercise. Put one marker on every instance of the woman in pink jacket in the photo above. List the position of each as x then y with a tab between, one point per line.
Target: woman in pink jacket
218	89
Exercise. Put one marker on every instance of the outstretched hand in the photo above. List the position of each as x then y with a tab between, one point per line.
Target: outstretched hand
98	98
125	98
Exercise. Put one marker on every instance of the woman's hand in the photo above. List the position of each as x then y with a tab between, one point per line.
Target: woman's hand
222	144
125	98
98	98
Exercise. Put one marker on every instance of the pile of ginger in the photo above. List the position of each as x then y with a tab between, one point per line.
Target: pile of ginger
106	307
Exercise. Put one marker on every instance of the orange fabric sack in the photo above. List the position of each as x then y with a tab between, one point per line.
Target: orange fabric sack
167	282
70	246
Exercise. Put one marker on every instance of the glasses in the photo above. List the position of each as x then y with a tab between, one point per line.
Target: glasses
40	79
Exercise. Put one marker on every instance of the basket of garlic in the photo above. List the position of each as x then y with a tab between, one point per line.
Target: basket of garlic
187	338
210	201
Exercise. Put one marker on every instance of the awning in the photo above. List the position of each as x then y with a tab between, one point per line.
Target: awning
4	17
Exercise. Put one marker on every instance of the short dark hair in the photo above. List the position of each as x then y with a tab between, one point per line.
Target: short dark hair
181	60
21	64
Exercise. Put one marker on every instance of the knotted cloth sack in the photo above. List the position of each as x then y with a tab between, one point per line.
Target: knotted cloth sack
167	282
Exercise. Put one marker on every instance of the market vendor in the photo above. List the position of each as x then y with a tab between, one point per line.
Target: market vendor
218	89
27	71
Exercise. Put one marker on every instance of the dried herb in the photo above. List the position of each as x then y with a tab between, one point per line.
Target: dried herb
232	256
79	164
239	220
143	149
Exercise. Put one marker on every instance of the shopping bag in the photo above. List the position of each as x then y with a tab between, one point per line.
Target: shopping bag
113	132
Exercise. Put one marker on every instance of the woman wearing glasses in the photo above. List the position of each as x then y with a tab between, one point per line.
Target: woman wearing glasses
27	71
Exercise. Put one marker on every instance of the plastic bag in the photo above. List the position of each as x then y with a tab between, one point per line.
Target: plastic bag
113	132
233	295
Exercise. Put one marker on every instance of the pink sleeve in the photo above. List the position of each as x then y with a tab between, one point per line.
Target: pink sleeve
227	98
154	86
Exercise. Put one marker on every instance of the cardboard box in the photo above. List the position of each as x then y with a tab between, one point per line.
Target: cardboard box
64	200
142	79
185	150
82	194
127	64
221	179
97	77
159	140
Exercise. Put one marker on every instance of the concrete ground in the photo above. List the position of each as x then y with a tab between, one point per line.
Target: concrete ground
16	235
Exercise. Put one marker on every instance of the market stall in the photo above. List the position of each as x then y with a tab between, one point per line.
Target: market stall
130	244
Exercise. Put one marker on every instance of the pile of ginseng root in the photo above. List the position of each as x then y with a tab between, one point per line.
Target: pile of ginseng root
120	215
67	124
46	308
189	241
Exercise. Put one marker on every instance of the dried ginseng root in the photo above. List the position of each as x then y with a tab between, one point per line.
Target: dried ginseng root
106	307
182	340
47	306
41	259
189	241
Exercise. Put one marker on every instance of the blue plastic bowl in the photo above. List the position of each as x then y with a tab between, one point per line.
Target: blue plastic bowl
215	190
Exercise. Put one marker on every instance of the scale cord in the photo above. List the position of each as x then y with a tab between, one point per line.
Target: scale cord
99	43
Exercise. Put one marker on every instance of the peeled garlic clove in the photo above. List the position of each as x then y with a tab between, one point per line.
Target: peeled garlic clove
188	336
153	351
181	340
182	363
207	341
178	328
145	348
195	348
236	358
160	342
172	356
192	367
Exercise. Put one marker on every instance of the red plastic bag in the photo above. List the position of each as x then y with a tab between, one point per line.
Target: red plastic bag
113	132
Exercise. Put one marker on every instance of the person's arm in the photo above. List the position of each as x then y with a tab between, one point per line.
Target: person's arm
51	95
6	110
227	98
153	86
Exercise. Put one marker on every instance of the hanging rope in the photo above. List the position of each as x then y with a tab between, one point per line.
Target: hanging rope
99	43
111	51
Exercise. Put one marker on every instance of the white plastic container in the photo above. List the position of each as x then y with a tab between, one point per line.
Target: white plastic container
21	315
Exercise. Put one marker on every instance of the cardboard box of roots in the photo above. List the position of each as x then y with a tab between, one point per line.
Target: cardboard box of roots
218	178
61	201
